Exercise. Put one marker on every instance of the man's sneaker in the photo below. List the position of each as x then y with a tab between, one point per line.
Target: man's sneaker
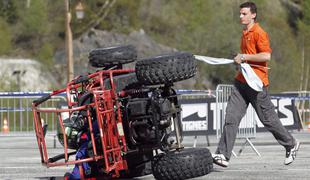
220	160
291	154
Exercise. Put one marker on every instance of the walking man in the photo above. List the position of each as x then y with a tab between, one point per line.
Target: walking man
255	50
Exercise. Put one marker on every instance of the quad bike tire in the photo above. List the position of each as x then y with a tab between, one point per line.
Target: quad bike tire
139	164
166	69
185	164
111	56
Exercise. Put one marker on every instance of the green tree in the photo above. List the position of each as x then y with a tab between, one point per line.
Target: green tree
202	27
304	35
45	54
33	19
5	37
8	11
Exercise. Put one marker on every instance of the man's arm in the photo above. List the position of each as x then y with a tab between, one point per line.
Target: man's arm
260	57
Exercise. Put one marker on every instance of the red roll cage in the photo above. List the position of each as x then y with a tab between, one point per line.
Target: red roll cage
109	119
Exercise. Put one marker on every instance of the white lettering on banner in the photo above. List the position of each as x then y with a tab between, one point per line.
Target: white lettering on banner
213	109
275	103
289	120
197	113
195	126
243	124
195	117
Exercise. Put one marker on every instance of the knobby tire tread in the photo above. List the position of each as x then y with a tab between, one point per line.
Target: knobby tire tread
117	55
189	163
166	69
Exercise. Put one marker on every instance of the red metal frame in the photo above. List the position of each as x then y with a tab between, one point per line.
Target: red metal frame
108	116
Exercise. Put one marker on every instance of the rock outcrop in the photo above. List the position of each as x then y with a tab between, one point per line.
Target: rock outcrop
25	75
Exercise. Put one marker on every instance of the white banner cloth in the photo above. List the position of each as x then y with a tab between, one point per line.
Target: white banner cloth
249	75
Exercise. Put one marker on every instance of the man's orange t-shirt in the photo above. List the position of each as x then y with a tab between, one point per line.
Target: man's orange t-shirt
255	41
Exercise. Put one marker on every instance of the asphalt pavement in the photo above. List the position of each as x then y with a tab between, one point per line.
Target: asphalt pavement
20	159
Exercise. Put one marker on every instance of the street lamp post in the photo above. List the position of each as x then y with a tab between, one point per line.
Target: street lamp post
79	10
69	48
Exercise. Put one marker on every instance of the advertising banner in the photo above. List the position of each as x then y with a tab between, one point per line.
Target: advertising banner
198	115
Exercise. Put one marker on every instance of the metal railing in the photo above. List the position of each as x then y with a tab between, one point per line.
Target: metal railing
302	102
202	127
16	112
247	126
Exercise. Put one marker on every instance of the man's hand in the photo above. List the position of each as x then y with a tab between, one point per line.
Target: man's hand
239	58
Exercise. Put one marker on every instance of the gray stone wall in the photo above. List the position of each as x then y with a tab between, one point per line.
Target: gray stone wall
24	75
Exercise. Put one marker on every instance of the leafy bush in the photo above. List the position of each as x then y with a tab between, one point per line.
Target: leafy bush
5	37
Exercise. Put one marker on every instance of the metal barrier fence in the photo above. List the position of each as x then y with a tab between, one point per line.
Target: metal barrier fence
201	127
17	116
302	103
247	126
16	112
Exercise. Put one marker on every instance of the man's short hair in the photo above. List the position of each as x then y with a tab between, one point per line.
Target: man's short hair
252	7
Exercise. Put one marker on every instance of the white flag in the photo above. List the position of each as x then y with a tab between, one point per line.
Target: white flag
214	61
251	78
249	75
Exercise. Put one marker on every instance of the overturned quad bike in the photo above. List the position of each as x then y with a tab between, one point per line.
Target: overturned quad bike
124	122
